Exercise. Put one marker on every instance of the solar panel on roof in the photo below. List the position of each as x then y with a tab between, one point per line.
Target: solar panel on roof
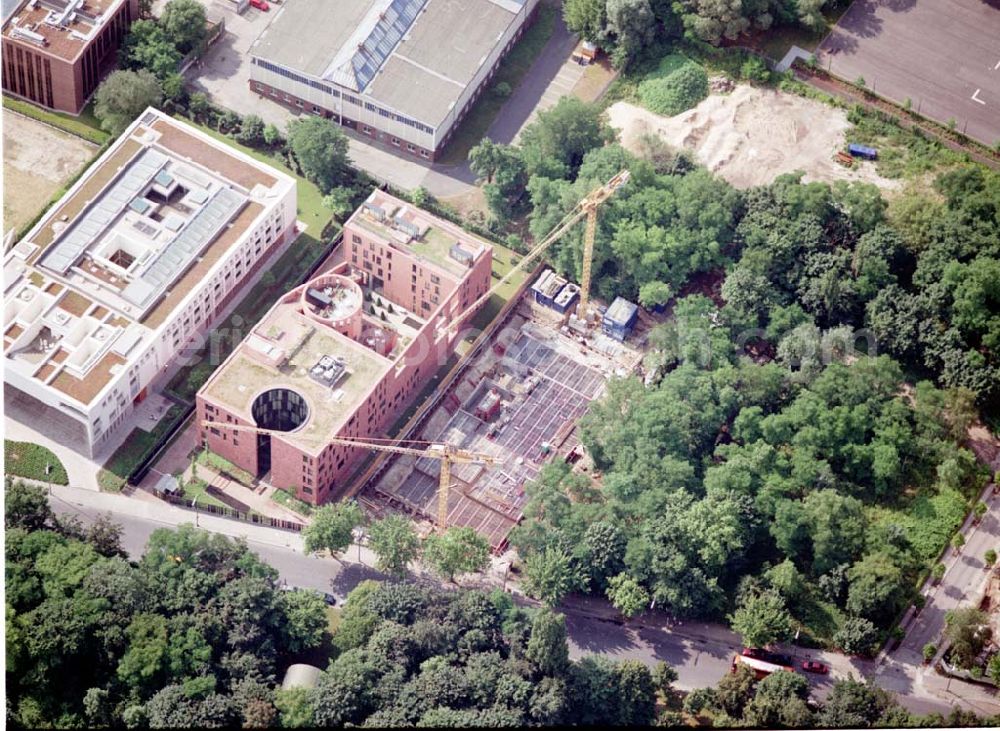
393	23
178	254
77	237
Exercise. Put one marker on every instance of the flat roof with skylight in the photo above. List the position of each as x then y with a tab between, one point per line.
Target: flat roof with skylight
124	250
415	56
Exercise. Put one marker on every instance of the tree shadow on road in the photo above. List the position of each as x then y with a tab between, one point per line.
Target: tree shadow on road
353	574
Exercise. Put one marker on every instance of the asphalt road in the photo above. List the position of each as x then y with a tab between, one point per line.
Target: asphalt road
700	652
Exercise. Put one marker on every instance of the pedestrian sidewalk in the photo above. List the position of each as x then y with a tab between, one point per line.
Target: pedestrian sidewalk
172	516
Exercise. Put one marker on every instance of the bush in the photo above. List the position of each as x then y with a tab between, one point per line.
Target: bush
23	459
930	650
676	92
754	69
502	90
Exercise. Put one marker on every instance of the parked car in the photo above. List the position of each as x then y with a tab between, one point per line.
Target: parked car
813	666
260	5
330	600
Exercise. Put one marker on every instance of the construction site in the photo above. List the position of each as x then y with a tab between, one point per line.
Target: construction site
518	399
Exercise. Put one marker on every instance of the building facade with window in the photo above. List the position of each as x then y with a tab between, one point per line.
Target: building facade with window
56	52
404	72
129	270
345	354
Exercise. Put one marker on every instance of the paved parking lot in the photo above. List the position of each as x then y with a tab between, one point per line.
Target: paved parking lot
224	71
552	76
942	55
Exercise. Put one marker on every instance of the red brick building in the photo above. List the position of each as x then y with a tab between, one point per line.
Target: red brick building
346	353
55	52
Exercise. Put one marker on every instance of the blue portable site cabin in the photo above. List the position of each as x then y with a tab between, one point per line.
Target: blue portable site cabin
619	319
566	298
868	153
547	288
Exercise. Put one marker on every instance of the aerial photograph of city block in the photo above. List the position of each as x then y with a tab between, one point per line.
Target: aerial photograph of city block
501	363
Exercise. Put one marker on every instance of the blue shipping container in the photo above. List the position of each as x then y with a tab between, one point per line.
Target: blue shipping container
868	153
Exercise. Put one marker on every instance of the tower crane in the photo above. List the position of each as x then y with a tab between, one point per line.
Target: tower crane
586	207
446	453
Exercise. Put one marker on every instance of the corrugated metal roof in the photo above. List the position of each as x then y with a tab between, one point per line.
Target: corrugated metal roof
366	58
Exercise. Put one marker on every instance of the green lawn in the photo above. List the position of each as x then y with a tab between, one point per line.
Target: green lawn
817	621
291	502
34	462
85	125
136	447
511	70
220	465
197	490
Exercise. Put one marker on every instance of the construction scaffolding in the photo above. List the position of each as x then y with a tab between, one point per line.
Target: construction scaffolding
545	381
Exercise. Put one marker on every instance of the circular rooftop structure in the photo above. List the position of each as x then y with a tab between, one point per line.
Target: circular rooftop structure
280	409
335	301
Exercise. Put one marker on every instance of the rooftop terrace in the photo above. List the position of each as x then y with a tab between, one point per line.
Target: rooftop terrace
404	227
59	27
282	352
134	237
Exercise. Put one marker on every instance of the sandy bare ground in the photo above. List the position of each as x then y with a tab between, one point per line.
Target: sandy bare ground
37	160
751	135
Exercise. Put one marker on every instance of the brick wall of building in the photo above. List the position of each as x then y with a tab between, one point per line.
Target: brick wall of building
29	71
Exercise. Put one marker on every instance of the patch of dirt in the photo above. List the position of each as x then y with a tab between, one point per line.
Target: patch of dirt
595	80
753	135
37	160
466	203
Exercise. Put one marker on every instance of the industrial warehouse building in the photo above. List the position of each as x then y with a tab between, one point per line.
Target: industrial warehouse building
131	266
404	72
55	52
345	354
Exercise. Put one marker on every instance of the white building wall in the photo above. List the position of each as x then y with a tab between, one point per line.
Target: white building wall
160	349
337	104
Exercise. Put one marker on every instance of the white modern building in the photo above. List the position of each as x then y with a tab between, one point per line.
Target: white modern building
131	267
404	72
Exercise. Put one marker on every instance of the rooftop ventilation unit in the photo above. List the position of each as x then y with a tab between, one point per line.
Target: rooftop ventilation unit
28	35
460	255
329	371
376	212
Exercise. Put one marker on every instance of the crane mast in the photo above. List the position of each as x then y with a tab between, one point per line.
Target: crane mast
586	207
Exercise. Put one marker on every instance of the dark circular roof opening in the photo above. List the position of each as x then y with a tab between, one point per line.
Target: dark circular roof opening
280	409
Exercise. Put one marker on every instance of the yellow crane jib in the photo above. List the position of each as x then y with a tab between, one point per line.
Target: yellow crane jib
586	207
447	453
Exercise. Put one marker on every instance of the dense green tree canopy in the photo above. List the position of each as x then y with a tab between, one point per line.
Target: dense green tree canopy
320	149
123	96
192	634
